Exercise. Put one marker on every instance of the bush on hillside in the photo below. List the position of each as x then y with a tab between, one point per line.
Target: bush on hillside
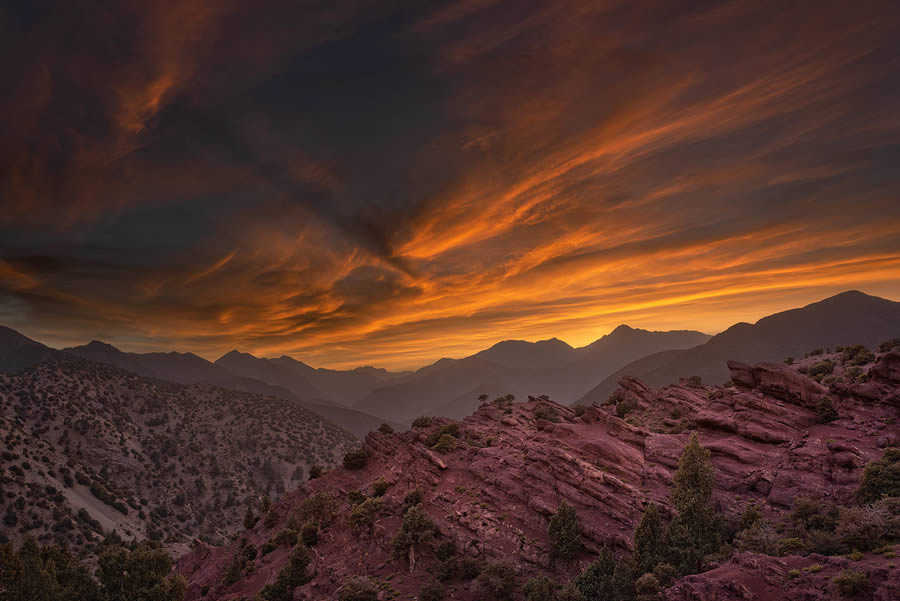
881	478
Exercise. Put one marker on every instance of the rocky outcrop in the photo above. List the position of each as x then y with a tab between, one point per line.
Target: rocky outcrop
778	381
493	494
749	577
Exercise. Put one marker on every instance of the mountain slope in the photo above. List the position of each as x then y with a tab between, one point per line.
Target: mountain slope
183	368
89	448
450	387
342	387
845	319
18	352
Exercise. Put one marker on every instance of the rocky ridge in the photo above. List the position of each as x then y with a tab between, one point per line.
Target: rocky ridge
509	465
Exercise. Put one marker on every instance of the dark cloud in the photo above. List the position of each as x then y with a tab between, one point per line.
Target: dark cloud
410	180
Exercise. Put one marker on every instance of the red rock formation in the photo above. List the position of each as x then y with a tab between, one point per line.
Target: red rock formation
494	494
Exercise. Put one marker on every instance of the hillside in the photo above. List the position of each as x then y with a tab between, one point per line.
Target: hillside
18	352
342	387
451	387
845	319
187	368
461	509
90	448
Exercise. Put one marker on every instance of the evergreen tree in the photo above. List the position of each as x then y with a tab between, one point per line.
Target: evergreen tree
290	577
565	533
143	574
417	527
694	533
648	542
598	579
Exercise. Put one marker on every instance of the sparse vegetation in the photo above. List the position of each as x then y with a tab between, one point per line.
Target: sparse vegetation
497	581
881	478
851	583
356	460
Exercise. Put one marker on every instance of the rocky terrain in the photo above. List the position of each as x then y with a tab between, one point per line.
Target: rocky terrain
89	448
784	447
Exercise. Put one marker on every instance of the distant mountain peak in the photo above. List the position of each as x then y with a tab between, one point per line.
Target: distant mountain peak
622	329
100	345
234	354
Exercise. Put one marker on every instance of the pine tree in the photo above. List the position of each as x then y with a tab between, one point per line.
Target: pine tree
694	533
565	533
648	542
598	579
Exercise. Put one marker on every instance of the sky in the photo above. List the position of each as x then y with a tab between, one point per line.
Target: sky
388	183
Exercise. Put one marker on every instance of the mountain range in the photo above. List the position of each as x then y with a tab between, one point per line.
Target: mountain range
846	319
361	399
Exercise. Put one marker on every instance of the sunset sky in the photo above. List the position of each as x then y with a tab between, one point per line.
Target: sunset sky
388	183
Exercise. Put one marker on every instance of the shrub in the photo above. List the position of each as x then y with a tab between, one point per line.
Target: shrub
412	498
750	516
421	422
565	533
889	345
822	368
286	537
810	514
309	534
356	460
436	435
547	413
647	588
355	497
579	410
789	361
318	507
470	568
625	406
358	590
540	588
315	471
791	546
445	444
759	538
446	550
417	527
379	487
434	591
665	573
497	581
290	577
881	478
850	583
862	527
386	429
825	411
363	515
857	355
